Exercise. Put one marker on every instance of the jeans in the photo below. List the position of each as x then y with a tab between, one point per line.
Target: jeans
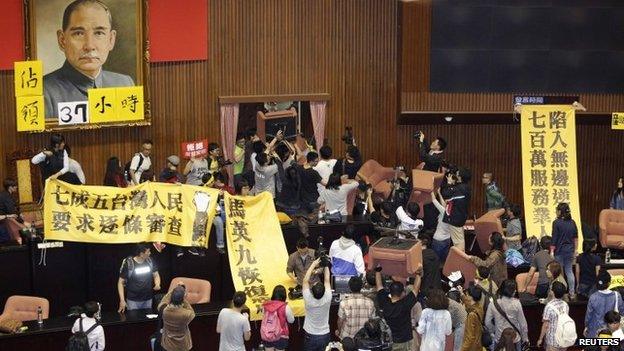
217	222
459	337
441	248
138	305
315	342
566	262
586	289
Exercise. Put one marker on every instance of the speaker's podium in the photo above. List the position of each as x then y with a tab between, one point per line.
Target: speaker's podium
398	257
268	124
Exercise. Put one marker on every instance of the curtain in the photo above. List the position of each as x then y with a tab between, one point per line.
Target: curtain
317	109
229	127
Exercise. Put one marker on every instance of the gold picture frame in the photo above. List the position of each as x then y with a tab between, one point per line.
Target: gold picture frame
140	51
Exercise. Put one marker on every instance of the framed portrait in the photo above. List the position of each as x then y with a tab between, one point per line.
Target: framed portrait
87	44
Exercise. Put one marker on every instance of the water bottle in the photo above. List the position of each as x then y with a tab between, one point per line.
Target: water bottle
39	315
608	256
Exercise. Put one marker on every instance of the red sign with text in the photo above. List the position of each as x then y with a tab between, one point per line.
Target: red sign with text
196	148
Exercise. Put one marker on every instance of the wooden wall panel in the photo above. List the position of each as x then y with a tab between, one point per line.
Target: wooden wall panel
345	48
495	147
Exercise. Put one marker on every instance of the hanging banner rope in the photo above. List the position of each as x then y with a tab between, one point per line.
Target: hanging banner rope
257	251
549	169
172	213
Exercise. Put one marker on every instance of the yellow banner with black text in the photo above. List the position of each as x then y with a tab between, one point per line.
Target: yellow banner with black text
172	213
257	251
549	168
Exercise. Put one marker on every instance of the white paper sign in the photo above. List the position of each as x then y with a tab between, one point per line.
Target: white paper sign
73	112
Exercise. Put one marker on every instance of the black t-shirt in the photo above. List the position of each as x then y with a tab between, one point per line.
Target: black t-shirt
587	267
139	279
431	270
398	315
343	167
309	178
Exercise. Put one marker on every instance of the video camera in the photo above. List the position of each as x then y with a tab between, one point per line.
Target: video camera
347	138
322	253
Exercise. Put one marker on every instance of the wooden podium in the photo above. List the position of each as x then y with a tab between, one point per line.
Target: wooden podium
398	257
269	123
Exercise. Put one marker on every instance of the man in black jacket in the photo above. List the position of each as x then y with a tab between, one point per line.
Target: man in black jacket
432	155
457	196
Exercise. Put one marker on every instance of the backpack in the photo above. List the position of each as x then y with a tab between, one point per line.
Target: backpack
565	333
529	248
130	263
271	327
127	167
79	341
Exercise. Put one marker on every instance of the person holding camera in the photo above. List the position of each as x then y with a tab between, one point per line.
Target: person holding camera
233	325
432	155
177	315
397	308
317	301
299	262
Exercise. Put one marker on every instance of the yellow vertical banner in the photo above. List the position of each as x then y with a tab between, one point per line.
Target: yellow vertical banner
617	120
102	105
172	213
130	104
257	251
549	167
28	78
30	112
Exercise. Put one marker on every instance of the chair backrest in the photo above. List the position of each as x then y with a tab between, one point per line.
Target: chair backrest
521	278
351	200
197	290
485	225
24	308
426	180
611	223
455	261
373	172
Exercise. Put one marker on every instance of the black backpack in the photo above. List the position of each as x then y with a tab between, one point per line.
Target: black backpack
127	167
79	341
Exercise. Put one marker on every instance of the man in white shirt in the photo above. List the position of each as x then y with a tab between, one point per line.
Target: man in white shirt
325	166
141	162
95	336
317	302
409	221
233	325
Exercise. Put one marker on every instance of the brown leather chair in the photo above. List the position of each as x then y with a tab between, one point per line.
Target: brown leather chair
521	278
377	176
456	261
197	290
484	226
24	308
611	224
423	184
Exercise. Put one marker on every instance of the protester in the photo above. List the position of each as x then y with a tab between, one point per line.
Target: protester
354	310
140	163
239	157
138	279
195	169
601	302
385	218
506	306
264	174
289	197
75	175
432	155
8	206
364	200
513	232
539	263
333	198
346	256
441	238
53	161
309	180
317	302
170	173
494	199
397	309
495	259
552	311
435	321
488	287
299	261
409	218
177	315
617	199
88	324
431	265
564	240
114	173
612	319
475	315
350	164
553	271
325	165
233	325
276	307
457	195
587	268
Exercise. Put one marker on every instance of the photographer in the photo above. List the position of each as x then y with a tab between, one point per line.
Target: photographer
177	315
397	309
299	262
432	155
350	164
317	302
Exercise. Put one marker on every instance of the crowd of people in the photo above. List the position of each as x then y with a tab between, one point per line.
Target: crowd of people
418	312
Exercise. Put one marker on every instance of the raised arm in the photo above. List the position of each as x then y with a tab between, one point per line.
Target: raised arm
306	279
